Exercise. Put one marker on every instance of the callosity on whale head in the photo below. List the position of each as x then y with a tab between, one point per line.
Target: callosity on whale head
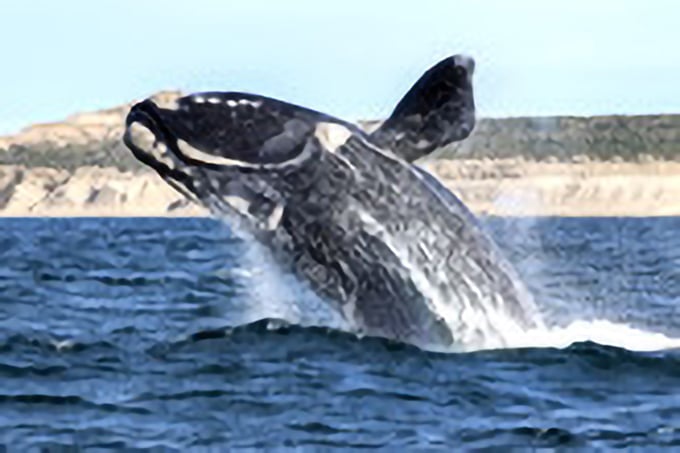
344	211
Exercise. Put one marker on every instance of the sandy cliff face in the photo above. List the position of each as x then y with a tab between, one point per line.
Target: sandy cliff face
525	188
89	191
80	128
497	187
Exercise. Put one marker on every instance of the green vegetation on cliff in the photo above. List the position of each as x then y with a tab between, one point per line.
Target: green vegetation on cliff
111	153
628	138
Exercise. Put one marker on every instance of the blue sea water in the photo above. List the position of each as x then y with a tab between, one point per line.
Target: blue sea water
124	334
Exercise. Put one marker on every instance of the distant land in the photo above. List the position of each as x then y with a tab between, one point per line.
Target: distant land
571	166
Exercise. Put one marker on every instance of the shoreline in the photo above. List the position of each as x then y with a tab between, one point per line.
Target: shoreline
489	187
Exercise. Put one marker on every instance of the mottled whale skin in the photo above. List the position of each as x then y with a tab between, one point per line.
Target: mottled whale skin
347	212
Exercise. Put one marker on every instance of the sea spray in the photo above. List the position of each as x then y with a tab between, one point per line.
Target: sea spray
599	331
271	292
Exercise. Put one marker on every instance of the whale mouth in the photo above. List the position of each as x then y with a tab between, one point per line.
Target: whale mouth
222	184
154	143
145	137
228	150
150	143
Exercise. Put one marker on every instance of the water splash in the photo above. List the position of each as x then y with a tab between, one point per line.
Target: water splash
273	293
599	331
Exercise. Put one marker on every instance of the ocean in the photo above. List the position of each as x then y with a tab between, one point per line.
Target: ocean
150	334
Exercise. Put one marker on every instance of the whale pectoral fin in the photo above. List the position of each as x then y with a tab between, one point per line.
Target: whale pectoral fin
228	129
439	109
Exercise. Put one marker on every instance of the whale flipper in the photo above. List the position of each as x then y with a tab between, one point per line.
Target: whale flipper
439	109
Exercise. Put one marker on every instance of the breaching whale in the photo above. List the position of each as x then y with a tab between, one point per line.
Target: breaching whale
345	211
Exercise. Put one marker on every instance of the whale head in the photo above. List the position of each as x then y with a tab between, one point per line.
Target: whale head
233	152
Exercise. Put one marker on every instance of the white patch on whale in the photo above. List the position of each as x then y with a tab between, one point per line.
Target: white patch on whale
249	102
238	204
142	137
332	135
275	217
193	153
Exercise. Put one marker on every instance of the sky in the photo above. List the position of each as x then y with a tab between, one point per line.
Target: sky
350	58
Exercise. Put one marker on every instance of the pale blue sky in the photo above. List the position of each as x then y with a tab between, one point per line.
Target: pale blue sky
350	58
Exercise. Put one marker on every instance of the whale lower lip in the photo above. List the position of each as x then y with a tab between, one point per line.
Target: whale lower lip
144	112
147	141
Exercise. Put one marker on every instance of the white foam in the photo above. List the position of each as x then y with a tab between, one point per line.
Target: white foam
598	331
275	294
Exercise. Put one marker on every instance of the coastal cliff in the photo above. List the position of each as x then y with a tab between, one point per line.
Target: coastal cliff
571	166
510	187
